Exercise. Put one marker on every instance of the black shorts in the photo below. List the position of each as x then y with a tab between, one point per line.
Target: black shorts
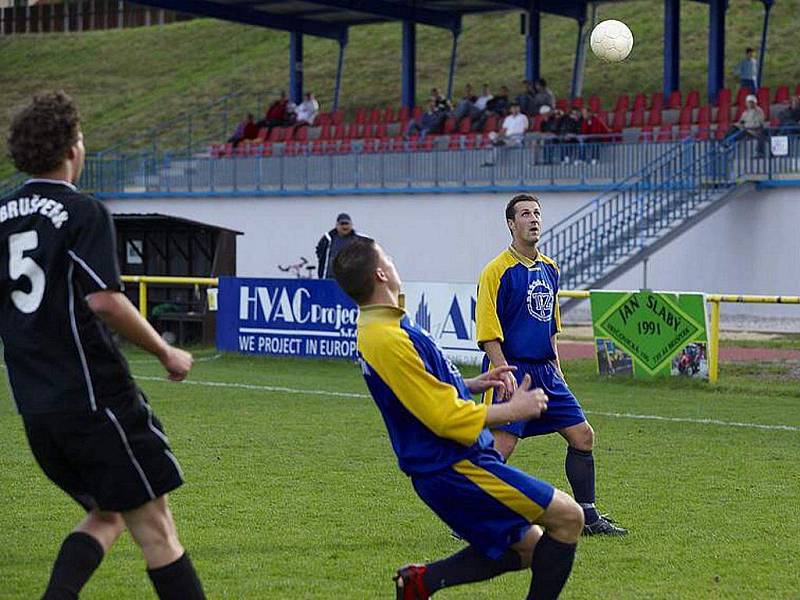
115	459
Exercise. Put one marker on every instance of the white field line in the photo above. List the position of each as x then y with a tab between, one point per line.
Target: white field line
154	361
614	415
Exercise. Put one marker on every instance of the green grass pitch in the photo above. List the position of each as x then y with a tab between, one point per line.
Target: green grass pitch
297	495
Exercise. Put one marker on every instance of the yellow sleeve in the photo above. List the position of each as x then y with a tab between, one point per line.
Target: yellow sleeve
434	403
487	321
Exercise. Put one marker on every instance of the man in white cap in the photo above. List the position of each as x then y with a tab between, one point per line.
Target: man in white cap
752	123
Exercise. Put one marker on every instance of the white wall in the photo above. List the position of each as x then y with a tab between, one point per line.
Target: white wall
750	246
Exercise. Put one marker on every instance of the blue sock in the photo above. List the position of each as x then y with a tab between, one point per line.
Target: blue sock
580	473
468	566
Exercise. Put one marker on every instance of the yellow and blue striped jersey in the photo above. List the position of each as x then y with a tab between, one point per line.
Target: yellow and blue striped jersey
517	305
429	414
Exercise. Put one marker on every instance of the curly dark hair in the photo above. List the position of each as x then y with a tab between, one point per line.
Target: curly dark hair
42	133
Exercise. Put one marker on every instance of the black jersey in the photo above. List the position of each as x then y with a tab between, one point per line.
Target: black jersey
57	246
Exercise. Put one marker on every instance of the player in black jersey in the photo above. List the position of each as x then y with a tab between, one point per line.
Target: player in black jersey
90	428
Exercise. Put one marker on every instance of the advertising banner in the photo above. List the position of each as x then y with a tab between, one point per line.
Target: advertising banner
447	312
650	334
286	317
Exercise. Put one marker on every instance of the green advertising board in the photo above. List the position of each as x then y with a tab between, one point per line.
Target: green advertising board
650	334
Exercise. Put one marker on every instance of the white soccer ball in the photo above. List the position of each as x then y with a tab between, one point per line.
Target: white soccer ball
611	40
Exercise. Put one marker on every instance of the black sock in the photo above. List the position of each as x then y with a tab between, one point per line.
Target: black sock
468	566
78	558
177	581
580	473
552	563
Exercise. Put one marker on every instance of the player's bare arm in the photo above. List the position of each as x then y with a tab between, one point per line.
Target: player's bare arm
494	351
119	314
496	378
526	403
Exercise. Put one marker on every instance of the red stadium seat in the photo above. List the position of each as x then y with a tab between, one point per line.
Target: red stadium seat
465	125
562	104
664	133
380	130
371	145
345	147
276	134
449	126
797	90
595	103
618	123
637	117
763	100
640	101
720	134
456	142
427	143
403	114
577	103
536	123
337	117
685	117
490	124
693	98
623	102
325	132
324	118
647	134
674	100
375	116
654	117
388	115
417	113
703	134
361	115
340	132
301	134
255	149
657	101
318	147
266	149
704	116
724	98
741	95
782	94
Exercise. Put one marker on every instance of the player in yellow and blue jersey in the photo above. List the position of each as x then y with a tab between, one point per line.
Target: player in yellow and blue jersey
442	443
518	319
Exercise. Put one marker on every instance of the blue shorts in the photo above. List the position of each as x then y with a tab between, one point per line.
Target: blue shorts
563	409
486	502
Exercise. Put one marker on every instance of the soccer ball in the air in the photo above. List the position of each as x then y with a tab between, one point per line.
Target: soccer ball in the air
611	40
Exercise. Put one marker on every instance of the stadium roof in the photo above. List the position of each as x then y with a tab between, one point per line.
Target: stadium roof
331	18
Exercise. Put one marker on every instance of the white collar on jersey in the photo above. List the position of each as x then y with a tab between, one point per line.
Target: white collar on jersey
54	181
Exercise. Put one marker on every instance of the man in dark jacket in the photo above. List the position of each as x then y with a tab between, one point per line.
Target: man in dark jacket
332	243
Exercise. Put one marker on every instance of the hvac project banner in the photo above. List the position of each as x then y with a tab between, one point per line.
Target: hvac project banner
286	317
650	334
314	318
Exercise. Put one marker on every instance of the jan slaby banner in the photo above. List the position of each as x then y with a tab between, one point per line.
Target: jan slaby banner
286	317
447	312
650	334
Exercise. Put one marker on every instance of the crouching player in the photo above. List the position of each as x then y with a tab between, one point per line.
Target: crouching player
442	442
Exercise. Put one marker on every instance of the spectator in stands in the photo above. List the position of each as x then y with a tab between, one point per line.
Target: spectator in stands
277	113
499	104
526	98
595	131
752	123
308	110
789	117
430	121
332	243
543	96
466	106
246	130
442	104
549	127
747	71
569	128
485	96
512	132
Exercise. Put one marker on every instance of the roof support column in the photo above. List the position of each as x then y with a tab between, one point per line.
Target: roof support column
409	64
576	89
764	32
672	46
339	69
296	67
453	55
532	45
716	48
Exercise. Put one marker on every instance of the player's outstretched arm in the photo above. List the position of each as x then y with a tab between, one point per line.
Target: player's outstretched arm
494	351
526	403
496	378
119	314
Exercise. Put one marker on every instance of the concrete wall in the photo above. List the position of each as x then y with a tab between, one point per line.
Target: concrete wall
750	246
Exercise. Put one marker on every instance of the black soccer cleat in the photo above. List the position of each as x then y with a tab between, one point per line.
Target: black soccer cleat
604	526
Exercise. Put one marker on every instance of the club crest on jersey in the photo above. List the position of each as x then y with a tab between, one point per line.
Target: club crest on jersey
540	300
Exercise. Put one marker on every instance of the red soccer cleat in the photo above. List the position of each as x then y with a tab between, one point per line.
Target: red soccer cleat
409	584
